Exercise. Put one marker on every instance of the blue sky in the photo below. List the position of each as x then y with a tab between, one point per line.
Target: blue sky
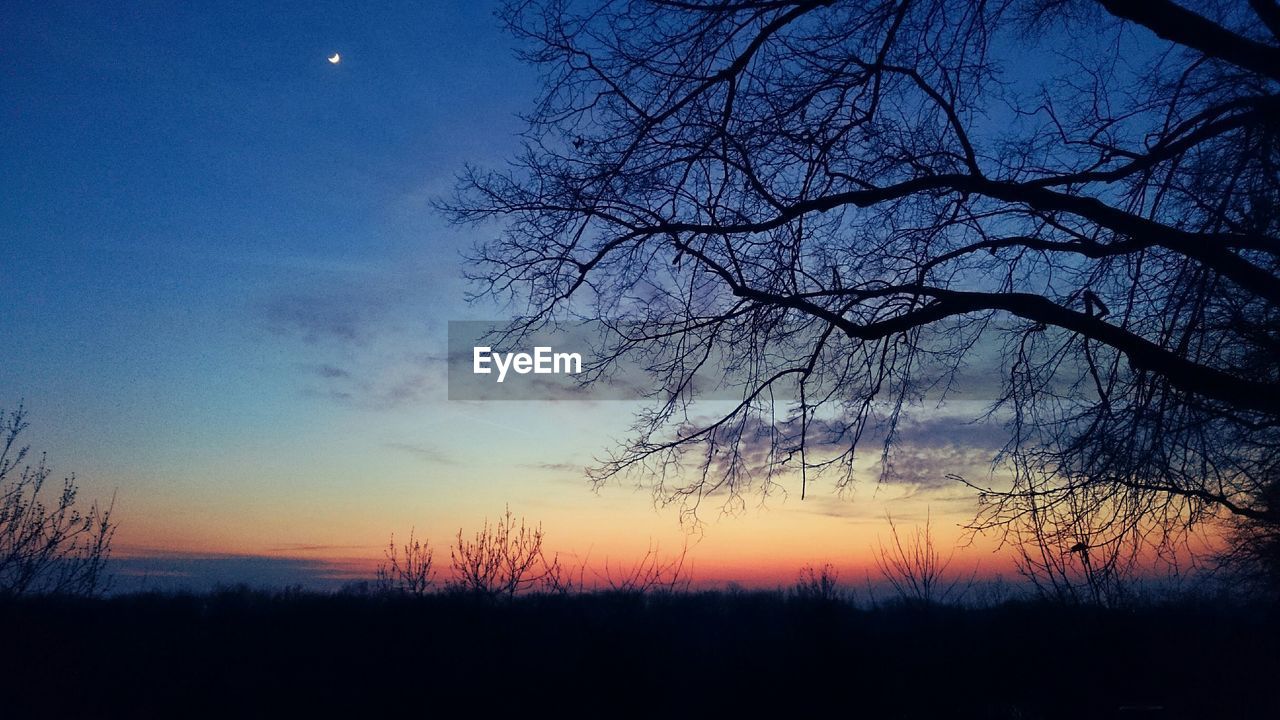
180	179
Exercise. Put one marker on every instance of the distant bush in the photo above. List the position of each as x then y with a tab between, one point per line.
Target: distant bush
407	570
817	585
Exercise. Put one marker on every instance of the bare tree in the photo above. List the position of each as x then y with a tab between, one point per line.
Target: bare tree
1071	555
1251	560
817	585
559	578
48	544
651	573
841	208
408	569
915	568
503	559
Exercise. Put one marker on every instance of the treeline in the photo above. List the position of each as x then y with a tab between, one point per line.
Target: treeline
245	651
506	558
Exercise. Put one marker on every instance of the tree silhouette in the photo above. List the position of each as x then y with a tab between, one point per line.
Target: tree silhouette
915	568
407	569
651	573
820	585
503	559
843	207
48	544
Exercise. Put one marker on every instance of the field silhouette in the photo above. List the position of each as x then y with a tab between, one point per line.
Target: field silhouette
243	652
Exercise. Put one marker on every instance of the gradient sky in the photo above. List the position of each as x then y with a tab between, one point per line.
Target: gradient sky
226	293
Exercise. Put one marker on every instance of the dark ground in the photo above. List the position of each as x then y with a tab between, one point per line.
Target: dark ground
247	654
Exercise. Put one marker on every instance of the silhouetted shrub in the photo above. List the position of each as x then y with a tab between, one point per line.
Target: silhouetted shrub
408	569
48	544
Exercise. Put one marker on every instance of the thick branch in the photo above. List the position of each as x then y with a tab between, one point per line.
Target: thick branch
1143	354
1179	25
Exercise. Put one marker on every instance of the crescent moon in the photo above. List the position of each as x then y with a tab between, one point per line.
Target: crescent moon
335	59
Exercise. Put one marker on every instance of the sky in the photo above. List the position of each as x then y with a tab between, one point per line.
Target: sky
226	294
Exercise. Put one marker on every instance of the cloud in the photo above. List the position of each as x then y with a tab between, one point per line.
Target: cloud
171	572
344	316
423	452
328	372
925	452
552	467
400	390
360	337
944	430
836	505
309	547
389	385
